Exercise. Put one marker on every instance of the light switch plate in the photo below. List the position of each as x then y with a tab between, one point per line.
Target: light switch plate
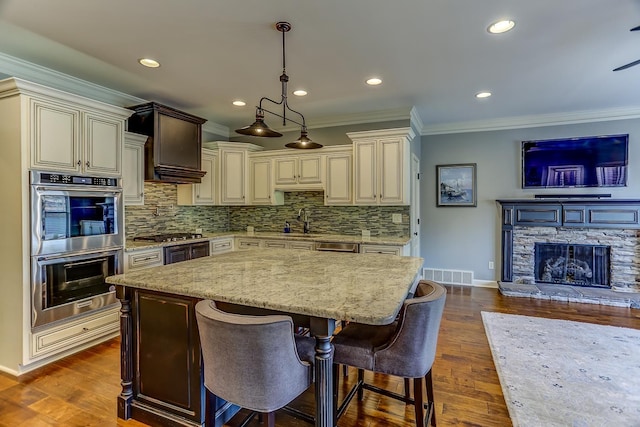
396	218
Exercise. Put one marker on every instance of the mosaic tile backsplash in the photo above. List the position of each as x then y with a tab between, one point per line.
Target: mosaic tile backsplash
161	214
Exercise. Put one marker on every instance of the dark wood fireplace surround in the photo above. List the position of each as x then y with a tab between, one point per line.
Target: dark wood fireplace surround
583	213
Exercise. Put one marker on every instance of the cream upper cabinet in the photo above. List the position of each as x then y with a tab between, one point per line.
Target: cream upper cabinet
298	170
338	178
381	166
261	192
233	164
84	137
205	193
133	169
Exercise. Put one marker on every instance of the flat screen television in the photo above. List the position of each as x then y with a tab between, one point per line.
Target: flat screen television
594	161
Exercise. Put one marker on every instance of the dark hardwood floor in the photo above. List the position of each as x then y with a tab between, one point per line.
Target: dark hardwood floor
81	390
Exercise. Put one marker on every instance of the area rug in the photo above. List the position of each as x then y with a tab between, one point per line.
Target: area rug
565	373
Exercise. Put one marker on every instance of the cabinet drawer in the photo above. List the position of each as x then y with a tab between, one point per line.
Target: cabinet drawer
307	246
275	244
380	249
64	337
221	246
248	243
142	259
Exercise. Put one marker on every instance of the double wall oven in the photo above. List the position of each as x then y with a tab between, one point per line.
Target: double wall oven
77	240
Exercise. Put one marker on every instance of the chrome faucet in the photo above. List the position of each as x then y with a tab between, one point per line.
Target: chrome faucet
304	216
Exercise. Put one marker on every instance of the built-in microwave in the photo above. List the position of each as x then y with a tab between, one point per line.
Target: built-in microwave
74	213
67	285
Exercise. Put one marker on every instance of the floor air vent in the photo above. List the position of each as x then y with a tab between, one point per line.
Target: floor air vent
450	277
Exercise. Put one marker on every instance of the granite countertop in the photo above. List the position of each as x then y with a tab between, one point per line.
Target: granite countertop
130	245
364	288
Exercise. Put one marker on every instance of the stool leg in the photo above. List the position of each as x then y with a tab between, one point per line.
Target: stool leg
407	394
418	405
360	381
429	385
345	371
271	419
336	380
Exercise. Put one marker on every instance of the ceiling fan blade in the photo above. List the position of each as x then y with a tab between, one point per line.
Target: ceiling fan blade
635	28
629	65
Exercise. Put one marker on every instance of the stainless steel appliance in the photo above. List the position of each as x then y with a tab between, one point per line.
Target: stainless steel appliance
168	237
67	285
75	213
77	238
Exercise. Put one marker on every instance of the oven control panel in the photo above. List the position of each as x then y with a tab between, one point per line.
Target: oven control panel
54	178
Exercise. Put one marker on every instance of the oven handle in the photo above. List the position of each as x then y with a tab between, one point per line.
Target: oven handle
91	261
74	255
89	190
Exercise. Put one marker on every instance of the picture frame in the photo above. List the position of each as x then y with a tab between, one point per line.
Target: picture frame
456	185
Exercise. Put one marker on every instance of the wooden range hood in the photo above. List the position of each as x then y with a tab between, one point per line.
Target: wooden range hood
172	152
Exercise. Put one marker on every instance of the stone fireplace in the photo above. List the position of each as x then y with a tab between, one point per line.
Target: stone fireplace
572	250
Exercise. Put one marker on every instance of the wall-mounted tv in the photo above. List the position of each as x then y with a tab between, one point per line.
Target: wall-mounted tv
594	161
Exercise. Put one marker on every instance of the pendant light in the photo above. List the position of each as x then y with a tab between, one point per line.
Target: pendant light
260	128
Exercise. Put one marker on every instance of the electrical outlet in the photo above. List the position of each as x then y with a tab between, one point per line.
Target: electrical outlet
396	218
491	266
366	233
198	230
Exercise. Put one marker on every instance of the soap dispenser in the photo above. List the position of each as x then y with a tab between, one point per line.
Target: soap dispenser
287	227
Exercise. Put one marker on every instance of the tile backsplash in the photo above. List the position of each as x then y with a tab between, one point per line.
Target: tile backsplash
161	214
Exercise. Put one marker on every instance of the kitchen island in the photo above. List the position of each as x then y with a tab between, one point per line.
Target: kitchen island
161	365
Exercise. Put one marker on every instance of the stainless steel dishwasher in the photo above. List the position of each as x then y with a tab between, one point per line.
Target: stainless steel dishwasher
337	247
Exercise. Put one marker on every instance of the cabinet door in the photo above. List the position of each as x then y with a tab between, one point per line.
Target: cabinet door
205	192
309	170
199	250
232	164
133	169
391	172
365	177
103	141
260	182
173	254
54	136
286	171
338	185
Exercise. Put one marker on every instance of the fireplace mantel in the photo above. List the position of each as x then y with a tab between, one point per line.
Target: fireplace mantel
570	213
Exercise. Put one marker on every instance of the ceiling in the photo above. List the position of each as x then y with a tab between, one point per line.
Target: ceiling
433	55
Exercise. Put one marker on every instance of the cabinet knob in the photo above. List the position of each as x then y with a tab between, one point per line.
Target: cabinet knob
141	194
415	233
381	197
79	162
87	163
375	196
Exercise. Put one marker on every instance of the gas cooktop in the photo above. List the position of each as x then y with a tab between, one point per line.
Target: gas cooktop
168	237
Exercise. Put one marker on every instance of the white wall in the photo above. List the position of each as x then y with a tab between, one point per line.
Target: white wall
466	238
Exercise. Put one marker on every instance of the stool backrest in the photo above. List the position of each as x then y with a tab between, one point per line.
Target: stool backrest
411	351
250	361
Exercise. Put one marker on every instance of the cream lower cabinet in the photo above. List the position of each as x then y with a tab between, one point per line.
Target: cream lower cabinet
205	193
85	331
403	250
221	245
143	258
72	134
381	166
133	169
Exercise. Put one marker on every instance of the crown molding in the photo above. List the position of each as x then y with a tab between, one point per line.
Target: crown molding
356	118
530	121
25	70
416	120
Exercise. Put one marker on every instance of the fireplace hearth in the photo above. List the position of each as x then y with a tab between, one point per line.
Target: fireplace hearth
572	264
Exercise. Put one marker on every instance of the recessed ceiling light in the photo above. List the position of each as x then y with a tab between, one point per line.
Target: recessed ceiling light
148	62
483	94
239	103
500	27
374	81
299	92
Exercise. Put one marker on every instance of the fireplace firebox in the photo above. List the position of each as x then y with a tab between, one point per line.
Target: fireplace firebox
572	264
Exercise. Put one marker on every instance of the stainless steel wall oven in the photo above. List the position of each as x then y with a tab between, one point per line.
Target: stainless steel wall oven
77	240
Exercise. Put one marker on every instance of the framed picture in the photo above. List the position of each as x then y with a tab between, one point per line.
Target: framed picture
456	185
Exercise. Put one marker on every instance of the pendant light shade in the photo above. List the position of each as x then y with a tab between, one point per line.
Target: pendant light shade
260	128
303	142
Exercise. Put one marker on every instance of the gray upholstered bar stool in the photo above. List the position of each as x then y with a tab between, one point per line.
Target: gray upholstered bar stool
253	361
405	348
